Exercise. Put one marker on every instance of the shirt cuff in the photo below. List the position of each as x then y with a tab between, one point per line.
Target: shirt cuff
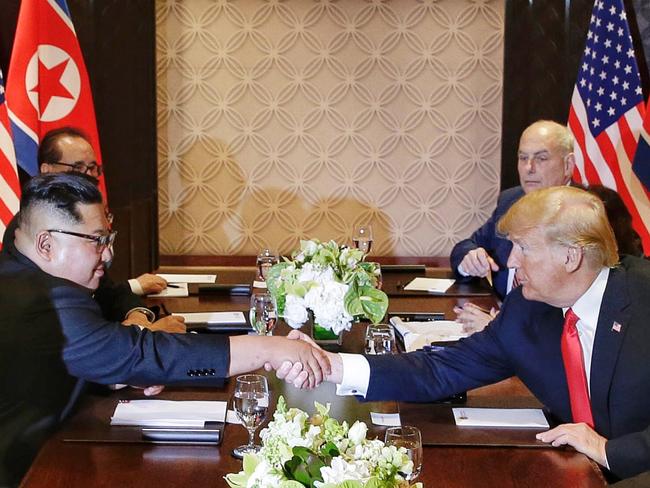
461	271
136	287
356	375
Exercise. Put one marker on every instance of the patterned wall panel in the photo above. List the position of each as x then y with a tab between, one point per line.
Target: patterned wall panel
282	120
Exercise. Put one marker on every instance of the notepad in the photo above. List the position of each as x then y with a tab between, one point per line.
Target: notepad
188	278
416	335
500	417
180	290
168	413
431	285
213	317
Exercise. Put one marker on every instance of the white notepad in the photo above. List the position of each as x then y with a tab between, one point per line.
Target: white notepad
500	417
431	285
416	335
168	413
178	290
213	317
188	278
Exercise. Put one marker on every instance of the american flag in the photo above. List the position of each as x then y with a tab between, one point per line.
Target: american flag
607	112
9	184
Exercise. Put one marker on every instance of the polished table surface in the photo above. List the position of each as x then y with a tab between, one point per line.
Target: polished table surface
63	463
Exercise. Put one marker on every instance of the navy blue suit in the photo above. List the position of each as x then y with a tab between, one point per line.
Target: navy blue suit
486	237
524	341
52	332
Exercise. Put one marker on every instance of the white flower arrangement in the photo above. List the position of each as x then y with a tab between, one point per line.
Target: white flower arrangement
301	451
332	281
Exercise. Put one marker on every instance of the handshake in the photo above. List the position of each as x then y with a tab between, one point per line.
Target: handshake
301	362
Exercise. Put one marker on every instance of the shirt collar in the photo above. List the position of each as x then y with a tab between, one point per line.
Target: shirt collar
587	307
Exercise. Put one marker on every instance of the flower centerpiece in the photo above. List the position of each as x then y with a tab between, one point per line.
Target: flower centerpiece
301	451
333	282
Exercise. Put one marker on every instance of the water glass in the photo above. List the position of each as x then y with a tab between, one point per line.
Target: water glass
251	403
362	238
380	339
410	439
262	314
265	259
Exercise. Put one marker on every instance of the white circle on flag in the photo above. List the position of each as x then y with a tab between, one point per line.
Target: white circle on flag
62	76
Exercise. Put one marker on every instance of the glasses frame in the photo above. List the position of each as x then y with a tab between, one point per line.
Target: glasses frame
102	242
82	167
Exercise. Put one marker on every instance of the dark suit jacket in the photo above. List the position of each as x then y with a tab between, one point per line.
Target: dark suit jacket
486	237
115	299
524	340
52	332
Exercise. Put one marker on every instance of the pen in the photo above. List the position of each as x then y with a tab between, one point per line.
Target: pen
173	285
164	309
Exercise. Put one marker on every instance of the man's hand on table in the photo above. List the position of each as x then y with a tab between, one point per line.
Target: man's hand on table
170	323
478	262
151	283
579	436
473	317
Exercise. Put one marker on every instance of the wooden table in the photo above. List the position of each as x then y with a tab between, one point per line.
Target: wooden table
73	464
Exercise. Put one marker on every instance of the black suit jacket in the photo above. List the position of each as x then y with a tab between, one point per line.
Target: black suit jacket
52	332
487	238
524	340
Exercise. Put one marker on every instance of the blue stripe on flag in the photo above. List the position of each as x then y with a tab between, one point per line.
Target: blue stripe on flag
641	164
63	5
26	150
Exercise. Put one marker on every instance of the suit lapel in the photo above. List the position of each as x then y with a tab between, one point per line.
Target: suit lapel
613	320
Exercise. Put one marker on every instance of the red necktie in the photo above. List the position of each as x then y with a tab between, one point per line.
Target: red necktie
574	366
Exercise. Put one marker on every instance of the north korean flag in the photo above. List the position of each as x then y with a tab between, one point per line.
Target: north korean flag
47	84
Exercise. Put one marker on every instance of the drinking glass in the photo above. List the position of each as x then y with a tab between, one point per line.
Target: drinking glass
251	403
362	238
265	259
262	313
380	339
410	439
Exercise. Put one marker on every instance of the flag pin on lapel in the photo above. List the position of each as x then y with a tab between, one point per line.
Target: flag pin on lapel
616	327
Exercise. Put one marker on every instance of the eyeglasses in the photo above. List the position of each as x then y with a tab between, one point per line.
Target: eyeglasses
102	242
92	169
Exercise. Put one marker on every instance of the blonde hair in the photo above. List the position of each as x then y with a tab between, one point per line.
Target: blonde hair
567	216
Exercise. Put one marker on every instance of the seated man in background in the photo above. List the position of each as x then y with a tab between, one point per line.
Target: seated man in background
545	158
575	332
54	333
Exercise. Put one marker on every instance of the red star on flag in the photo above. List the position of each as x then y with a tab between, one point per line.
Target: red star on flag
50	79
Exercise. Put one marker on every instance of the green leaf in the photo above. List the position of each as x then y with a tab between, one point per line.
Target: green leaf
375	482
330	450
290	484
236	480
350	484
374	303
281	406
250	463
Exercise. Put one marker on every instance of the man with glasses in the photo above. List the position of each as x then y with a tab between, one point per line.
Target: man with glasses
54	333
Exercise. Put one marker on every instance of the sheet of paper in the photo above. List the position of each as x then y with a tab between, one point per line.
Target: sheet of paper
232	418
168	413
387	419
419	334
213	317
259	284
431	285
188	278
179	290
500	417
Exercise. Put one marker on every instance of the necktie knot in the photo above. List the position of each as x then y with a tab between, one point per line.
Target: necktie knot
570	321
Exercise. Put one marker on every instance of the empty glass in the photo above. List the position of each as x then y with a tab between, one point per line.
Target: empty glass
362	238
262	313
265	259
410	439
380	339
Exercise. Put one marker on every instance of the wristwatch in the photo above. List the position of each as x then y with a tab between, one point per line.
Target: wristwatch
151	317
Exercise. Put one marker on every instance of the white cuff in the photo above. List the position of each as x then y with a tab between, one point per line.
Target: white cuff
461	271
136	287
356	375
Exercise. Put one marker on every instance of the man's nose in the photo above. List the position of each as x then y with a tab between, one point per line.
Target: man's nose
530	164
513	258
107	254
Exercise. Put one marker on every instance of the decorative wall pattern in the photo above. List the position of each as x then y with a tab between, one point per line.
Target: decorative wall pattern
282	120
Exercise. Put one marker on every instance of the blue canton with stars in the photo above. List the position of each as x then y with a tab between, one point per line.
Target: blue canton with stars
608	80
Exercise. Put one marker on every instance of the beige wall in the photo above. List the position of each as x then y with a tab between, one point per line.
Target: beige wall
281	120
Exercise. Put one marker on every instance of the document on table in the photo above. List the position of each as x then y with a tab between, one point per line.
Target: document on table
416	335
178	290
500	417
213	317
188	278
431	285
168	413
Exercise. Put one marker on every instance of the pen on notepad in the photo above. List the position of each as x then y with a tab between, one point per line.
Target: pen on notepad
173	285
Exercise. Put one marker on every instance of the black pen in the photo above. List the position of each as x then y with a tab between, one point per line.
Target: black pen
173	285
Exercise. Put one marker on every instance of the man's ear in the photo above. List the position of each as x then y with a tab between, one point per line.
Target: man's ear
44	245
574	257
45	168
569	163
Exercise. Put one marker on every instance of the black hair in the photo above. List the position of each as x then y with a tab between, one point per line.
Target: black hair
62	191
48	149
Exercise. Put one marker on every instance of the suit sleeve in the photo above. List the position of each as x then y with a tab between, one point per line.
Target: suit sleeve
116	299
482	237
629	455
107	352
428	376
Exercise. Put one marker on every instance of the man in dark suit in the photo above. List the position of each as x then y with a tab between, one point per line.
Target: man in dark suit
53	332
545	158
590	372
